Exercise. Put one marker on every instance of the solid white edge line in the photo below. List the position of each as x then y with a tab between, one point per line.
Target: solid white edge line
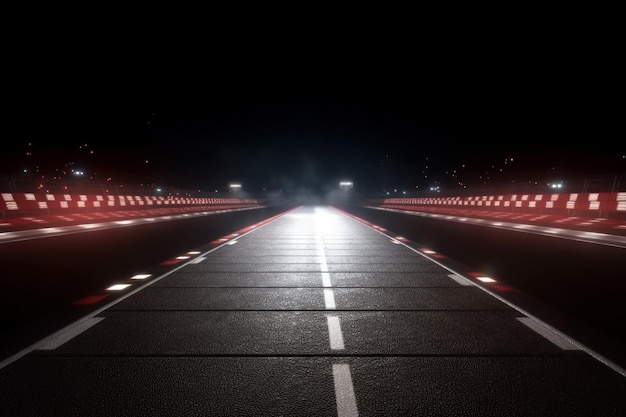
620	241
553	337
334	332
460	280
581	346
344	391
30	234
197	260
43	341
68	334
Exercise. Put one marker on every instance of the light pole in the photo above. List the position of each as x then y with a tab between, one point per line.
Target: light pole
234	187
346	185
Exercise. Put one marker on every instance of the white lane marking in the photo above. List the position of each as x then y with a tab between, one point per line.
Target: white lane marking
334	331
322	259
60	339
459	279
344	391
197	260
326	279
553	337
17	356
329	299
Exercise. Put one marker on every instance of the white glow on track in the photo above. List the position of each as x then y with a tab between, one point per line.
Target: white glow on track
592	235
523	226
91	225
486	279
141	276
118	287
124	222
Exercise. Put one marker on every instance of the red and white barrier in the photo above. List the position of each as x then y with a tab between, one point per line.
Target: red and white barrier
584	204
12	204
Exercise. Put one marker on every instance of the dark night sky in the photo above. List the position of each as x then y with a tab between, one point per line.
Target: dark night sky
383	112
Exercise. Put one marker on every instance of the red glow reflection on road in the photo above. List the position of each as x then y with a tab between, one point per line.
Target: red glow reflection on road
90	299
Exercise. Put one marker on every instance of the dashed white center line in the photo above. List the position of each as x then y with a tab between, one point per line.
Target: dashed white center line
334	331
329	299
344	391
326	279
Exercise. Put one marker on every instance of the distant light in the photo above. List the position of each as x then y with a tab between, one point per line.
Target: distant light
346	185
486	279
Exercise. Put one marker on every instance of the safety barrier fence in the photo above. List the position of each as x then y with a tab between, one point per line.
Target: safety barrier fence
33	204
601	205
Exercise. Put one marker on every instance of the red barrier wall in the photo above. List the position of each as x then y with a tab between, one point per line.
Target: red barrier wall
575	204
32	204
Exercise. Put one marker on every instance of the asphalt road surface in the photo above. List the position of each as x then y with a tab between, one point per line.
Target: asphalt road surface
313	313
